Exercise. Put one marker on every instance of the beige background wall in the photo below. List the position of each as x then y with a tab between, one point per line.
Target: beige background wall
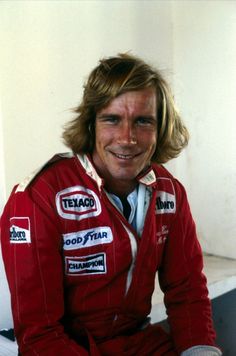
204	64
49	47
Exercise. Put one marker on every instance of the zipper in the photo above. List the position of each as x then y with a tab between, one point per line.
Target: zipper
132	239
134	248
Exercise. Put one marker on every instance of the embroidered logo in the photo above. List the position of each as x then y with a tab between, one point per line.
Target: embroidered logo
20	230
162	234
77	203
87	238
86	265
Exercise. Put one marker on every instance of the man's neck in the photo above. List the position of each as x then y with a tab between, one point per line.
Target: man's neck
120	188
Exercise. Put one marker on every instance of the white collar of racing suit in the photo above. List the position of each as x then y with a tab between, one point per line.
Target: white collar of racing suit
148	178
140	201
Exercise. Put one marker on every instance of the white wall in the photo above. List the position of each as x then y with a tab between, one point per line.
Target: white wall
49	47
2	166
5	312
205	88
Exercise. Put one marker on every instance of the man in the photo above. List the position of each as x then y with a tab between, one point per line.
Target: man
83	238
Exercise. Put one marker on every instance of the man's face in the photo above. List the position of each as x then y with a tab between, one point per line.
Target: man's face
126	136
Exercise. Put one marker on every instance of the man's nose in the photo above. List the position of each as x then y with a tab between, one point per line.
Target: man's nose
127	134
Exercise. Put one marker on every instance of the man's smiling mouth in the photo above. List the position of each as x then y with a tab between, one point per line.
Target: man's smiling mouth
124	156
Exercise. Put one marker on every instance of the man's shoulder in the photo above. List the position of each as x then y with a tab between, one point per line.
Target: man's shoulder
163	175
53	162
162	172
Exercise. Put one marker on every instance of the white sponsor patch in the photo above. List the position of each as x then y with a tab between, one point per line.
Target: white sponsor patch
166	203
20	230
77	203
86	265
87	238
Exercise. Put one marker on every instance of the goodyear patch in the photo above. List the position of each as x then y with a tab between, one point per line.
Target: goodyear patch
87	238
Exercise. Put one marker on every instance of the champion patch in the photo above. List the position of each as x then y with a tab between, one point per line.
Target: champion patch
20	230
77	203
87	238
86	265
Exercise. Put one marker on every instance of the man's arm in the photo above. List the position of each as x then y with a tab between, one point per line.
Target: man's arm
31	253
184	285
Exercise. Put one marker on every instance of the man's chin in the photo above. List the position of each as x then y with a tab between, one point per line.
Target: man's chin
129	176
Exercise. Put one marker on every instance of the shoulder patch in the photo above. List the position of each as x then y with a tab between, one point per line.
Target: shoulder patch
166	197
26	182
20	230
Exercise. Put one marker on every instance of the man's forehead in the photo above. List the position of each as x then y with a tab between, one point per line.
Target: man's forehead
144	100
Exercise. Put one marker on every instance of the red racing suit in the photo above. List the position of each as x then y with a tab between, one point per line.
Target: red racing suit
80	277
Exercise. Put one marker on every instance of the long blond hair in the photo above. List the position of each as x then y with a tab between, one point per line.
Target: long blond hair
115	76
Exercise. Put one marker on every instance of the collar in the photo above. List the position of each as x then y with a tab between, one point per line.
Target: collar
148	178
89	168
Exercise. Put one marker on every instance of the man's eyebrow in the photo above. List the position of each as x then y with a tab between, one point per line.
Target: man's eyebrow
107	115
147	116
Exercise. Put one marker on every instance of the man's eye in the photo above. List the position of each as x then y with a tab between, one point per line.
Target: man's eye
111	119
145	121
108	119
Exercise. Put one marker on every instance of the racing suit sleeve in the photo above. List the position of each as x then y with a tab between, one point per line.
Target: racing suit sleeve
183	283
31	252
